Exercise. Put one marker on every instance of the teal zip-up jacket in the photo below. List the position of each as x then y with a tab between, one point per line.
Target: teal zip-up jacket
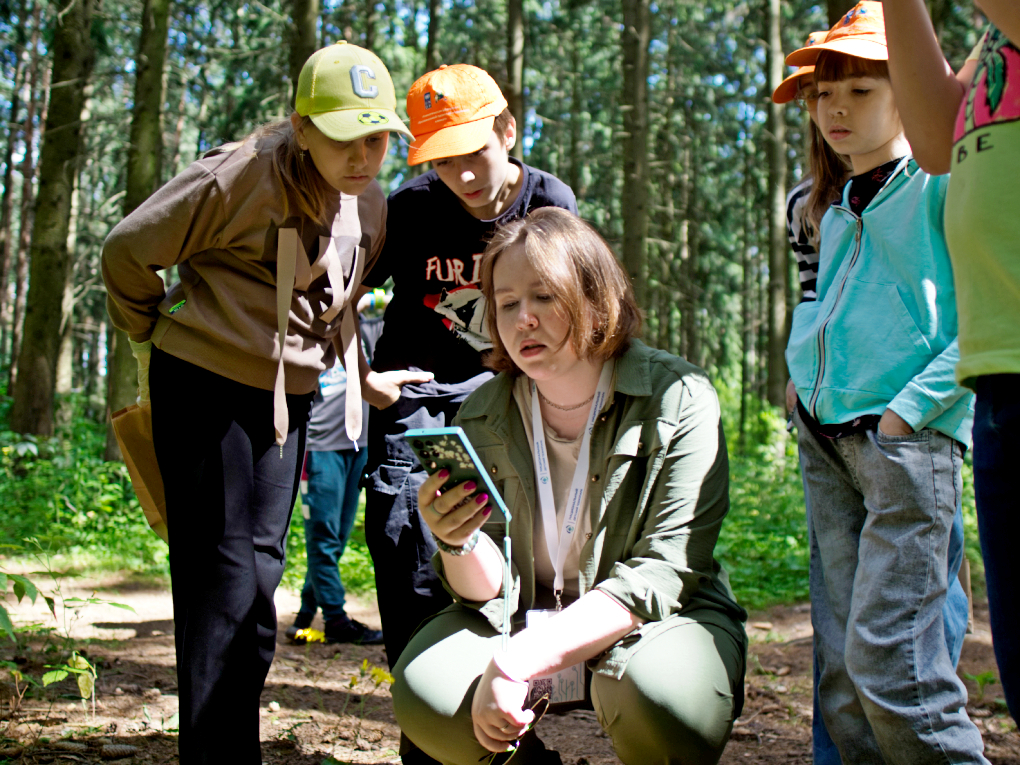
882	333
659	492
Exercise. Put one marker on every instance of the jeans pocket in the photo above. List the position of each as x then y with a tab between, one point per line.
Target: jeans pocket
921	436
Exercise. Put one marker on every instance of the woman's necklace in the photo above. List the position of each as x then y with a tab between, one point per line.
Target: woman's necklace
564	408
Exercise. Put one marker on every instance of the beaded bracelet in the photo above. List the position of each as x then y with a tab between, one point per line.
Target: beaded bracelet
464	549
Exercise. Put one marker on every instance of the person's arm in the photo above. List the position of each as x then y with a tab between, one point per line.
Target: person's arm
930	393
1005	14
580	632
182	218
928	94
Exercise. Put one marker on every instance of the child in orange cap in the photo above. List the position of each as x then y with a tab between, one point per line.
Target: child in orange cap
805	205
970	122
438	225
881	442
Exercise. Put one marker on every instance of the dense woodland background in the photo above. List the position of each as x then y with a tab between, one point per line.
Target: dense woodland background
655	112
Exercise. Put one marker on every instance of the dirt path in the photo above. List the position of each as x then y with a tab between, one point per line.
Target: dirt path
324	702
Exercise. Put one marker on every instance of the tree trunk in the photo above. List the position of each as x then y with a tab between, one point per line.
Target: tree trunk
28	172
515	70
778	246
7	202
635	38
144	167
371	18
304	38
837	8
73	58
432	46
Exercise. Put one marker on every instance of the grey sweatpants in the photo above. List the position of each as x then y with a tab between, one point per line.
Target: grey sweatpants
675	702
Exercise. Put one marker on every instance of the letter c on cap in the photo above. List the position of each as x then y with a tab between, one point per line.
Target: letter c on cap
358	72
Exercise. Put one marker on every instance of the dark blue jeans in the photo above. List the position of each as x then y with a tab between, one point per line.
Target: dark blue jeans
996	457
331	507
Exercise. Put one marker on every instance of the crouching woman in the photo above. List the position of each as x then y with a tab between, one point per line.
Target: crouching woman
624	583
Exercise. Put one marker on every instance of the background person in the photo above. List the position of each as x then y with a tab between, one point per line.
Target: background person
263	233
647	606
331	490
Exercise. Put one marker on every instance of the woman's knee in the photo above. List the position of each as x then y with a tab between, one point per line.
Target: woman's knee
667	711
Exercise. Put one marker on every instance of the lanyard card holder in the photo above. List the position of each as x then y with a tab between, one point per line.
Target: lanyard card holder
567	686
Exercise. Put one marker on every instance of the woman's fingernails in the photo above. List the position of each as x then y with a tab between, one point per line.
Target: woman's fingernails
481	499
470	486
486	511
444	473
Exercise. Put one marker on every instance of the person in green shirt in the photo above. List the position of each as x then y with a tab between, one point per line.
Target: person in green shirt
612	535
969	122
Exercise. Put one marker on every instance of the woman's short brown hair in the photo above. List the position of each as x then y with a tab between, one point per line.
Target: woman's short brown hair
834	66
593	293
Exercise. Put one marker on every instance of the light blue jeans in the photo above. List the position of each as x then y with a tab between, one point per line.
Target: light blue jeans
955	613
881	509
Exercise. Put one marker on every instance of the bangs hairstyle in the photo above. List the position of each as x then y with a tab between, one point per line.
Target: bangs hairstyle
593	293
833	66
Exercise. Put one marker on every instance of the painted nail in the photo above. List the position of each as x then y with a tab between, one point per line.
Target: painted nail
444	473
470	486
481	499
486	511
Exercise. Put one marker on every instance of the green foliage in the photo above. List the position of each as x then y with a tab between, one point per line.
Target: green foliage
60	490
763	543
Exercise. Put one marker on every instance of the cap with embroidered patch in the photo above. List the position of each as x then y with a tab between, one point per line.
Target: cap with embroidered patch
787	90
452	110
860	33
347	92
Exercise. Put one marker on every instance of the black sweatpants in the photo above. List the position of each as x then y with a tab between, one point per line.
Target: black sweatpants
229	496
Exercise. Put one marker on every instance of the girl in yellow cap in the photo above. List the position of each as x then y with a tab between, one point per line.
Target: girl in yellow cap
270	236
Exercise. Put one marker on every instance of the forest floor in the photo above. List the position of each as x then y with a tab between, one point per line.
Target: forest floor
323	704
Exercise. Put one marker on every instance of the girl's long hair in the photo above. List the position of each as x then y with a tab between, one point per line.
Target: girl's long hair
296	171
829	172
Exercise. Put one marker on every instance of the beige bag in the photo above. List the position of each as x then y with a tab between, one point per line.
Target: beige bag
133	428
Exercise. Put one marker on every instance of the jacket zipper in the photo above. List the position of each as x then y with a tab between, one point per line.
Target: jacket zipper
835	303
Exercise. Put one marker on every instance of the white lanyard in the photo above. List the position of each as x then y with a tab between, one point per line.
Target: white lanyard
559	545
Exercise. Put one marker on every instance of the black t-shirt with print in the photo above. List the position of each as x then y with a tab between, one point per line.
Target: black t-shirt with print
436	320
864	187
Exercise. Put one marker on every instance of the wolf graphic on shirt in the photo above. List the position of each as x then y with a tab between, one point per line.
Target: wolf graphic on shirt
463	312
994	97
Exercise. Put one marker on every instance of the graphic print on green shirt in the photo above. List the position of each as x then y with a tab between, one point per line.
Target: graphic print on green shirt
981	226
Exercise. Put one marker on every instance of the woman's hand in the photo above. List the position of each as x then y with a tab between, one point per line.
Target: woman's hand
452	515
497	710
892	424
791	398
382	389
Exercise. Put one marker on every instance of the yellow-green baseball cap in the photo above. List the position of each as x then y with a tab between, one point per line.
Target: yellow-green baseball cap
347	92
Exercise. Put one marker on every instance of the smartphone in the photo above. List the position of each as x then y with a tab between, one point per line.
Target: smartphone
438	448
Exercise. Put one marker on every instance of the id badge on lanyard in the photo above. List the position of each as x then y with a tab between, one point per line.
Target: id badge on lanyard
568	684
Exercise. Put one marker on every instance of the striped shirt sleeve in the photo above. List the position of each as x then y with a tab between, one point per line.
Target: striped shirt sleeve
805	252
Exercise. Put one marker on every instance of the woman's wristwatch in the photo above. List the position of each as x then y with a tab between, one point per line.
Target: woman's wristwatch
464	549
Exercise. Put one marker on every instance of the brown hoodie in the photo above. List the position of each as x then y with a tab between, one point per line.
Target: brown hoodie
220	222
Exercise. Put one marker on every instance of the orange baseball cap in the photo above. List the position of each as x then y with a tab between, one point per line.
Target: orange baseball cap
451	110
860	33
787	90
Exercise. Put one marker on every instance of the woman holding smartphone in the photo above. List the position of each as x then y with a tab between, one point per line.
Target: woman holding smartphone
613	526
